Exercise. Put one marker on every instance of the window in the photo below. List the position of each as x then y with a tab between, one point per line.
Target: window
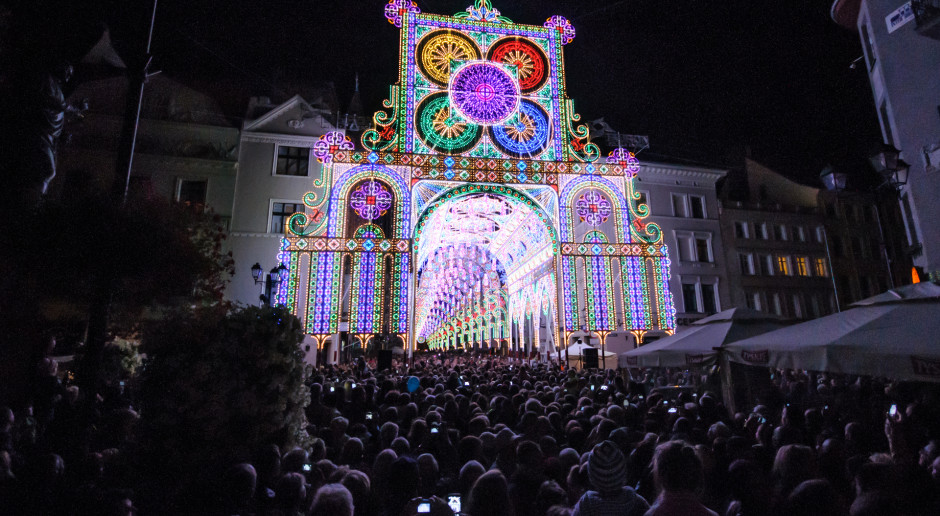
912	237
694	247
767	264
697	205
822	268
845	287
192	192
280	212
644	199
292	161
747	264
867	44
761	231
820	234
690	297
800	233
678	205
783	265
685	205
709	304
780	232
775	304
885	121
814	309
684	248
741	230
753	300
700	297
703	249
801	266
797	306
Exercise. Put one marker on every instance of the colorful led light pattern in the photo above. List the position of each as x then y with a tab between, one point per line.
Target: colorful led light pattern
397	9
524	136
528	59
484	93
371	200
480	100
442	129
593	208
329	144
563	27
625	158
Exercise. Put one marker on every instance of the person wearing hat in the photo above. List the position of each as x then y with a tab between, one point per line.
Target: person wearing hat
607	472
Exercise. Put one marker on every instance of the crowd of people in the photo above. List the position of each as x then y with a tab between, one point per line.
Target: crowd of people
487	436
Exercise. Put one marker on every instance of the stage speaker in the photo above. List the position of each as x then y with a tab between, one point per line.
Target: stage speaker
590	358
385	359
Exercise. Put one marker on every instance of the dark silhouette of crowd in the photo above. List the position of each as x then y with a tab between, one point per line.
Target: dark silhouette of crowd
486	436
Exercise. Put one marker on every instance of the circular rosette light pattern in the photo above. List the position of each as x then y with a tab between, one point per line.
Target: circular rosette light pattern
593	208
562	27
484	93
437	50
371	200
524	135
529	60
442	129
626	159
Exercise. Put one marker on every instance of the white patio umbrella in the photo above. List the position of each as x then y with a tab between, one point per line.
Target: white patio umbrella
696	346
895	334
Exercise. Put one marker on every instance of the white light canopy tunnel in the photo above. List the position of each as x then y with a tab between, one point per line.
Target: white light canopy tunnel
485	267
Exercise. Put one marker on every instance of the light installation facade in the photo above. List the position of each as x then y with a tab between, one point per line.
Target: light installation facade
476	211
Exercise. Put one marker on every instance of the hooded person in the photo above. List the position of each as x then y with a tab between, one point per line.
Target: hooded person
607	472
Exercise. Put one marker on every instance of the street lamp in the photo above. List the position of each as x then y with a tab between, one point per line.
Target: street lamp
889	166
834	181
274	277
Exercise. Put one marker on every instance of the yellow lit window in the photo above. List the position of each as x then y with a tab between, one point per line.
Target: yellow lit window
821	268
783	265
801	266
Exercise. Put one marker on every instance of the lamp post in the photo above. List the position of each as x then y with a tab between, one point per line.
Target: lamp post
270	281
886	161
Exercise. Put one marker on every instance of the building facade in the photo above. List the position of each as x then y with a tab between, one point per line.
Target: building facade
186	150
901	46
776	246
683	200
866	243
276	169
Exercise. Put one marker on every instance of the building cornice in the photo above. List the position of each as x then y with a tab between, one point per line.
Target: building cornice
661	173
280	139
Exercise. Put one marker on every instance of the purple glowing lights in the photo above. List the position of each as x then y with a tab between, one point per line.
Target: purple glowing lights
484	93
371	200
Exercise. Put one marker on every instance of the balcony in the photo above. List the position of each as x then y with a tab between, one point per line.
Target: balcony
927	16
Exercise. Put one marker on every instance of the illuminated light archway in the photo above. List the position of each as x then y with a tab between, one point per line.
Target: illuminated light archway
485	259
428	231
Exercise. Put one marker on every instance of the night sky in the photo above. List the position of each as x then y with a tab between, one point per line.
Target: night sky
704	79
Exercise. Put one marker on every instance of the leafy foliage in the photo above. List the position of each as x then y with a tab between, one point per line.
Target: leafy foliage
217	385
120	360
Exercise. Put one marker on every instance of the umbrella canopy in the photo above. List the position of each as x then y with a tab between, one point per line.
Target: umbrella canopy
893	334
695	346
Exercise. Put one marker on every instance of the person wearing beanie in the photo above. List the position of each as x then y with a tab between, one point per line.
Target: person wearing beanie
607	472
